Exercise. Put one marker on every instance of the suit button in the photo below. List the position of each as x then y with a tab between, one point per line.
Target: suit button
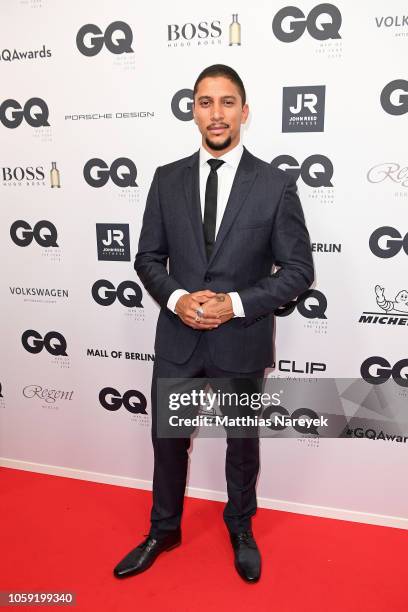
207	278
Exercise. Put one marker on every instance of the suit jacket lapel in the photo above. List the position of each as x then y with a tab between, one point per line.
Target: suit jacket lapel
193	205
243	181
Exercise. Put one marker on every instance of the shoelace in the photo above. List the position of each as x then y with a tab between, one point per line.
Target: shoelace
148	543
246	537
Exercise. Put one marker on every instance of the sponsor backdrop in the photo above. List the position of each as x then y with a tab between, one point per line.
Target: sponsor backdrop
94	97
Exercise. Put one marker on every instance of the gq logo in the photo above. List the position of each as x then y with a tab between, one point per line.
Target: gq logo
312	305
391	246
384	371
299	413
182	104
44	233
316	170
290	23
134	401
103	172
394	97
35	112
53	342
90	39
128	293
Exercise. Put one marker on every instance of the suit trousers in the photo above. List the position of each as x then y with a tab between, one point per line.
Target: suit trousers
171	454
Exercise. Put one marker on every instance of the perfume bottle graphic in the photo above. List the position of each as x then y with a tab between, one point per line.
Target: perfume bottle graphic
235	31
55	175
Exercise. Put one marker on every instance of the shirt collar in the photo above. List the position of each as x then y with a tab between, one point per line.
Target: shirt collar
232	158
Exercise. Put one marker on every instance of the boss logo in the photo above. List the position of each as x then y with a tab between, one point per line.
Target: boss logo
188	31
44	233
182	104
35	112
394	97
386	242
134	401
290	23
53	342
128	293
316	170
97	172
118	38
377	370
312	305
19	173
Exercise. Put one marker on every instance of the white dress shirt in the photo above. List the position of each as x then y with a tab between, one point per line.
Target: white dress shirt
226	175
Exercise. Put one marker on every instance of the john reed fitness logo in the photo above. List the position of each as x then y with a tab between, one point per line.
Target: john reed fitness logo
113	241
34	112
303	108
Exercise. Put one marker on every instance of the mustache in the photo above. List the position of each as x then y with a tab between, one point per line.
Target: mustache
217	125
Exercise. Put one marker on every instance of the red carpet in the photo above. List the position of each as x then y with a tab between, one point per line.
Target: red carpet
62	534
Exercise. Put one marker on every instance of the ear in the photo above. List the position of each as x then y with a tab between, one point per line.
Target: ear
245	113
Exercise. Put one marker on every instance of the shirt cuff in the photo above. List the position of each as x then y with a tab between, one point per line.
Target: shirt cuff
237	306
172	301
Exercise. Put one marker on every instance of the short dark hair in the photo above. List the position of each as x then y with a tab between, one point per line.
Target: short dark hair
217	70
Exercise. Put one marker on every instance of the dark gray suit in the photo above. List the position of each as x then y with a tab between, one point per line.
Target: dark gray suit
263	225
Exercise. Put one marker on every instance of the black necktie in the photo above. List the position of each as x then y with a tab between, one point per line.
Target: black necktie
210	210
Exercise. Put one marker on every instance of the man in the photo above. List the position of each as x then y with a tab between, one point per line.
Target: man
221	219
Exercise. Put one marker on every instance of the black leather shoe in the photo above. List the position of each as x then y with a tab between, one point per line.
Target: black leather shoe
143	556
247	556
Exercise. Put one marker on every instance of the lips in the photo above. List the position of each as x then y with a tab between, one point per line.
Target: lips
217	129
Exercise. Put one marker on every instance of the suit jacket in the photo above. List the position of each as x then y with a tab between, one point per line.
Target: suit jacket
263	225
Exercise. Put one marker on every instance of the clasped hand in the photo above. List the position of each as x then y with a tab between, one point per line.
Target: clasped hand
216	308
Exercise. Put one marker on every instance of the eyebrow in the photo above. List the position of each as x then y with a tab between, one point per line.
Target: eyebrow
231	97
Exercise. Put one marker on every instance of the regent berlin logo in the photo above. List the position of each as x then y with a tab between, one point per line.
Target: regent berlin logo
394	97
386	242
34	112
303	108
117	38
322	23
122	172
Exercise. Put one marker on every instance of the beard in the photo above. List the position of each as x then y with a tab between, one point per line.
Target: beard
218	146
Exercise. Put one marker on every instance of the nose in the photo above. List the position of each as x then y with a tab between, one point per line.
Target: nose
217	111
